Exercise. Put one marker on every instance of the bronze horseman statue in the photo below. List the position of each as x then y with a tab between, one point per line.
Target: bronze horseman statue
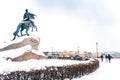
26	23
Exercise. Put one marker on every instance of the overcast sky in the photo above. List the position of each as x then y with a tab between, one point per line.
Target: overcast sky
66	24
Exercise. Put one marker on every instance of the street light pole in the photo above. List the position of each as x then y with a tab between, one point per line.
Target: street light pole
78	50
97	49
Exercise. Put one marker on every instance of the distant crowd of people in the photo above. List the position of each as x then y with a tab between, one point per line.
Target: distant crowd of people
107	57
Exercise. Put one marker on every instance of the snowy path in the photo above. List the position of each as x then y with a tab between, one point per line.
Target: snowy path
106	71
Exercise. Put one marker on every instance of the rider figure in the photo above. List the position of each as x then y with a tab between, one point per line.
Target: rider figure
27	15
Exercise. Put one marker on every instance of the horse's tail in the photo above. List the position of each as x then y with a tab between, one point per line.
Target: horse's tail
17	31
19	26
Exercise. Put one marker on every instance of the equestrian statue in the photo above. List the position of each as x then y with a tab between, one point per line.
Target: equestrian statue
26	23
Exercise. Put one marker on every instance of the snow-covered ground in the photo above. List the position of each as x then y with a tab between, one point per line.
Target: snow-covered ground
106	71
7	66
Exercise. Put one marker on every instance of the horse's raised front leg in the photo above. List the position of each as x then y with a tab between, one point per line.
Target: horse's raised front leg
36	28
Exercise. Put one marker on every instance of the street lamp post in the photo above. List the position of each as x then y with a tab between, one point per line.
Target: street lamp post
78	50
97	49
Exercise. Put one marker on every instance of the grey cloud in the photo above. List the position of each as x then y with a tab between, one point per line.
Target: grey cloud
92	10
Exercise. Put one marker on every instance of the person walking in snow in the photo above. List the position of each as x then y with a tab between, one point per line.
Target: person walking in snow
106	57
101	57
109	57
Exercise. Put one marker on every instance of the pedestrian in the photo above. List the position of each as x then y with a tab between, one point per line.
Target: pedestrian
106	57
101	57
109	57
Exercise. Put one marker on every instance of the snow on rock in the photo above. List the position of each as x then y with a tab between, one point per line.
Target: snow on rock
27	56
14	52
23	41
20	46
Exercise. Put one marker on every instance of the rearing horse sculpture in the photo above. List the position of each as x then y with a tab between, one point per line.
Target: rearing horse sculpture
24	25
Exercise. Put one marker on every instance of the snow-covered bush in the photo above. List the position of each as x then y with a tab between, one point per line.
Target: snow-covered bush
54	73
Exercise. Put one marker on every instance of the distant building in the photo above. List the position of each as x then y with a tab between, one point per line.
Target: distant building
69	54
53	55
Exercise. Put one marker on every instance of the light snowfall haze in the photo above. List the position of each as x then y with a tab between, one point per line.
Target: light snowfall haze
66	24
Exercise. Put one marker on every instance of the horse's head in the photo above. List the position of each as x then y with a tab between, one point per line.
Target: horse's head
32	16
